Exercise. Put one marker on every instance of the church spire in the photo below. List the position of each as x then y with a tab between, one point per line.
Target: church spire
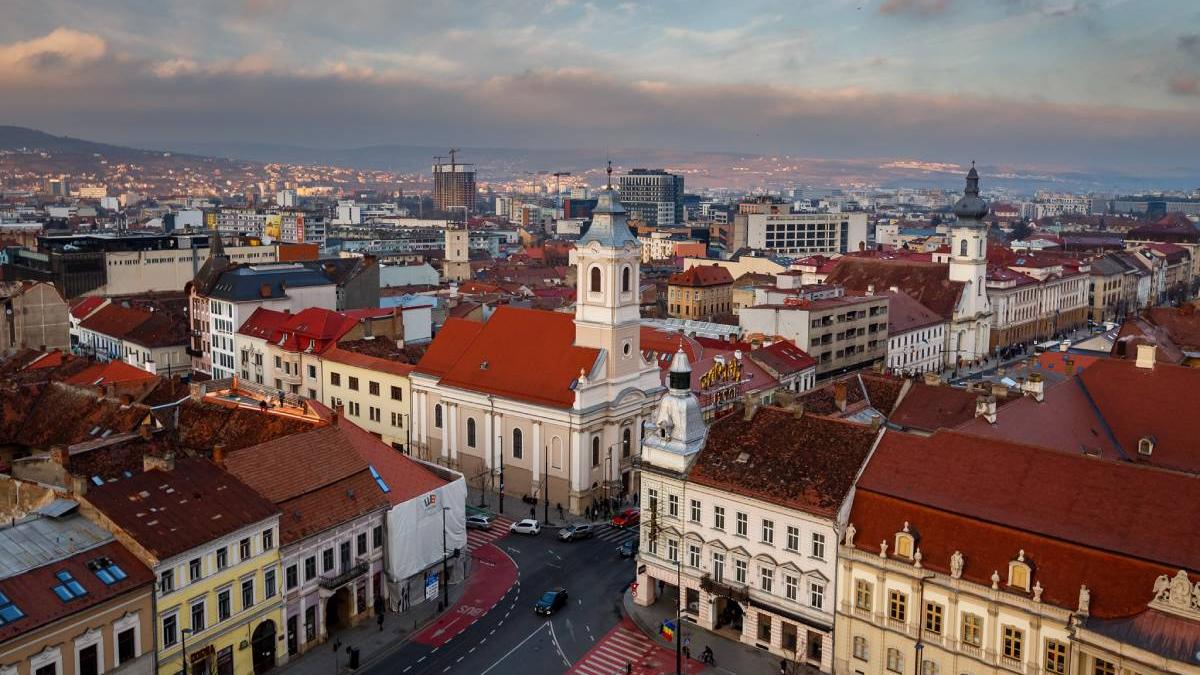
971	208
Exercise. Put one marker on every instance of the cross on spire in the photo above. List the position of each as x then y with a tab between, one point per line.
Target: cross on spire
609	172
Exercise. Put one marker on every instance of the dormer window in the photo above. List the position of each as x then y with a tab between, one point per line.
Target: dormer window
905	543
1019	572
1146	445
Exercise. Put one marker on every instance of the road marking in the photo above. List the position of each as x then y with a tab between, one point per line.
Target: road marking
406	669
445	669
422	659
469	651
554	639
460	659
510	652
492	632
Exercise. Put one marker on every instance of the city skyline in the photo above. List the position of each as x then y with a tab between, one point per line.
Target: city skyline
920	79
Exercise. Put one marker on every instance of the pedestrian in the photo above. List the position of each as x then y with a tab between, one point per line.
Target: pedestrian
782	667
628	668
533	513
687	647
379	620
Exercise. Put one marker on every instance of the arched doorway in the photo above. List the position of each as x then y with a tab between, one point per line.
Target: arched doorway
337	611
263	644
729	615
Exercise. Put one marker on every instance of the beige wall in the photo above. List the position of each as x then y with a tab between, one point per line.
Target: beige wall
132	272
699	303
60	640
394	417
39	319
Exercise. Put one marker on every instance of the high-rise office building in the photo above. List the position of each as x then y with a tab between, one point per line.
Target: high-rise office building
653	195
454	186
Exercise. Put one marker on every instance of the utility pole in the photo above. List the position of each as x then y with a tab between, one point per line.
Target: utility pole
546	483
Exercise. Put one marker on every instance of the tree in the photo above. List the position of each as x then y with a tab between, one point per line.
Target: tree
1021	230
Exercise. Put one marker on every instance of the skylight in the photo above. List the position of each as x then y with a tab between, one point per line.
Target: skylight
69	589
379	479
8	611
107	571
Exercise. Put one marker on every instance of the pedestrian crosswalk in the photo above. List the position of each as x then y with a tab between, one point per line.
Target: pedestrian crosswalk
499	529
617	535
625	649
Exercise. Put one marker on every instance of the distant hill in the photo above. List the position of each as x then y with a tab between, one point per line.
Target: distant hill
18	138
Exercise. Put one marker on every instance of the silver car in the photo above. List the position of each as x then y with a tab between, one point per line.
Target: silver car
479	522
527	526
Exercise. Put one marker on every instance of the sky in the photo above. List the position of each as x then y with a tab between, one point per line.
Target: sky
1058	84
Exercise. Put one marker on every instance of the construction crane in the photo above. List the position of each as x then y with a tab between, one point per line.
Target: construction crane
558	189
453	152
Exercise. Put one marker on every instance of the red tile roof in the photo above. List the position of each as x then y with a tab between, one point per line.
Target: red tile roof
85	306
702	276
405	478
1112	526
263	323
523	354
368	361
807	462
930	407
115	320
926	282
32	592
784	357
112	372
169	512
906	314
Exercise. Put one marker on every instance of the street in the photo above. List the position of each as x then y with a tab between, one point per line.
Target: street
509	637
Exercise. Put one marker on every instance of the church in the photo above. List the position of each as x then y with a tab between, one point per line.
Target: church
542	404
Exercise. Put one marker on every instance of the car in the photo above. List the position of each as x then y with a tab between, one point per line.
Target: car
479	522
628	549
627	518
576	531
527	526
551	602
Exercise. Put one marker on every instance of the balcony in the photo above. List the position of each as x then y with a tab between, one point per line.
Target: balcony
347	575
739	593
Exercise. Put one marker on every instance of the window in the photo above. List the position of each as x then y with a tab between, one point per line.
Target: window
312	372
518	444
1056	657
291	577
719	517
816	594
895	660
739	571
197	617
743	524
278	362
897	606
791	587
861	650
904	544
652	499
1102	667
929	668
377	537
673	506
373	413
327	561
222	558
68	588
933	618
626	442
224	609
353	383
373	388
764	627
126	646
818	545
626	279
247	593
437	416
244	548
766	578
693	555
862	594
9	612
718	566
972	629
694	511
170	630
1018	573
595	451
672	550
397	394
962	248
310	568
470	432
268	539
361	543
269	586
594	286
1014	639
193	569
355	409
166	582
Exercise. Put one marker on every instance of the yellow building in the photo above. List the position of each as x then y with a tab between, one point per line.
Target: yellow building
700	293
369	379
213	544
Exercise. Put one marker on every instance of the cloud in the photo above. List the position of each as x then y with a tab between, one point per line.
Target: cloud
1190	44
914	7
1184	85
63	48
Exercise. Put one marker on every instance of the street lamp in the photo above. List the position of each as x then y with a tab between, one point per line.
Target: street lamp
184	632
921	622
445	557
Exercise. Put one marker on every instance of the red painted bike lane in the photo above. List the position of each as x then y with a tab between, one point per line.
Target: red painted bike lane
493	576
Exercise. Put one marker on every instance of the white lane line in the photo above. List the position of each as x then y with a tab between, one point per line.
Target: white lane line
519	645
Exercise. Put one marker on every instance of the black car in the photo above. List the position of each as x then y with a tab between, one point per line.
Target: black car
628	549
551	602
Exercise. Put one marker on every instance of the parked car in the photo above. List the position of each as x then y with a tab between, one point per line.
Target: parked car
628	549
576	531
551	602
627	518
527	526
479	522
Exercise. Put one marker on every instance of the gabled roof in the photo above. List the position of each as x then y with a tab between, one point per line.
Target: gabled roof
115	320
169	512
361	358
906	314
1079	520
263	323
783	357
524	354
112	372
700	276
83	307
926	282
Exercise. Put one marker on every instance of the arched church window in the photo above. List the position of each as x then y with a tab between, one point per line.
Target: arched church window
626	279
595	451
980	248
962	248
626	441
595	283
470	432
437	416
556	452
518	442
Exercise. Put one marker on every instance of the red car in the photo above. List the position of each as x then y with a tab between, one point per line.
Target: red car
627	518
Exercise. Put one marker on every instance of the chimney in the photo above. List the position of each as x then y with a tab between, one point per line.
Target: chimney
894	289
932	379
985	407
164	463
338	411
1145	356
1035	387
144	432
870	289
839	395
999	390
798	409
219	455
749	408
59	454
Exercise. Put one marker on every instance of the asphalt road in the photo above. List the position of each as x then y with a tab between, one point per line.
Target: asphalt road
511	639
